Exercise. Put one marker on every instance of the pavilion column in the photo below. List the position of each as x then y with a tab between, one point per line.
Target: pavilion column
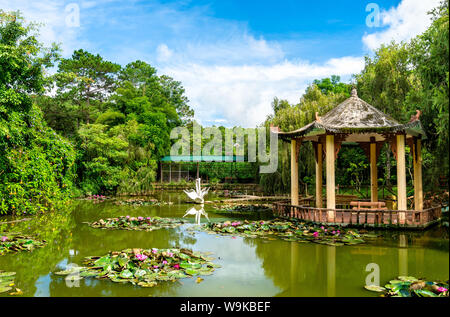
373	171
417	159
294	173
319	173
401	177
331	188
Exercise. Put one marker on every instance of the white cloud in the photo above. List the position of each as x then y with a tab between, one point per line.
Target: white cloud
163	53
242	94
52	14
230	76
403	22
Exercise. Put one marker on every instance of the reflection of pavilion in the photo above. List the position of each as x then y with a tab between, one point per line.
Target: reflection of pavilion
356	122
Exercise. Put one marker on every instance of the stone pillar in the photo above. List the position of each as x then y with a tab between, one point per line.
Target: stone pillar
401	177
294	173
417	159
331	190
373	171
319	173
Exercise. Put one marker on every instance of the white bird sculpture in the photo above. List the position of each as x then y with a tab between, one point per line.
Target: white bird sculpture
198	214
197	194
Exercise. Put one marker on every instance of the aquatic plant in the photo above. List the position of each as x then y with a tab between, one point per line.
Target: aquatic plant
409	286
7	283
289	231
242	209
16	242
144	267
142	202
136	223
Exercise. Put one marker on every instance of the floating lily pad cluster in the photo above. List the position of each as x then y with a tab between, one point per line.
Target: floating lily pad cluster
242	209
15	242
288	230
96	197
409	286
6	281
145	267
137	223
142	202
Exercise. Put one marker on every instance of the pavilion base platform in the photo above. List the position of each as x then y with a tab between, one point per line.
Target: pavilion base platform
396	219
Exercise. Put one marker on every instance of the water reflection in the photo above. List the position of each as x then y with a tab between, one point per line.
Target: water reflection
250	267
198	212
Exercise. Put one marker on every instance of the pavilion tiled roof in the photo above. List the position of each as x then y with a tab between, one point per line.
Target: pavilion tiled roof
354	115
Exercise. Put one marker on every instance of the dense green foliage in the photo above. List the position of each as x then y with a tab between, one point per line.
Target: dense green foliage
96	127
36	164
119	119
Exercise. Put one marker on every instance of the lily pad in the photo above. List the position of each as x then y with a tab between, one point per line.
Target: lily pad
136	223
292	230
147	267
16	242
5	289
374	288
7	274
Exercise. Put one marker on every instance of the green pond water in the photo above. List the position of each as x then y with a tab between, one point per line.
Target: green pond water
250	267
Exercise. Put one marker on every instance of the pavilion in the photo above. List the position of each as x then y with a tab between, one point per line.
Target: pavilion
356	121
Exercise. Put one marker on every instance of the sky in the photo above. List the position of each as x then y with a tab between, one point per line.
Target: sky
232	56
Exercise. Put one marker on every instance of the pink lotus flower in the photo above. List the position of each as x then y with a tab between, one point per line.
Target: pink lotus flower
140	218
334	232
164	262
234	224
128	217
169	254
177	266
141	257
4	239
322	227
262	222
155	266
154	251
442	289
315	234
148	218
326	230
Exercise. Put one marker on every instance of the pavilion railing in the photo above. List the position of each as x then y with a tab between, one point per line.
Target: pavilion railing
371	217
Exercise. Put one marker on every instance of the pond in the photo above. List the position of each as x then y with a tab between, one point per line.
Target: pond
250	267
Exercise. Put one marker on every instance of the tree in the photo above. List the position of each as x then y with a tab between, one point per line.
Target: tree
333	85
86	79
36	164
429	55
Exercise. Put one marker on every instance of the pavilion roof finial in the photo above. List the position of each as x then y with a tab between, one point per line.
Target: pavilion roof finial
354	92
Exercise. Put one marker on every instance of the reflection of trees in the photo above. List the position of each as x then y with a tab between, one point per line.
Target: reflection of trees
65	231
56	229
308	269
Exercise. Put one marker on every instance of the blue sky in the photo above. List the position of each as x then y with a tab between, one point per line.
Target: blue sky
232	56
